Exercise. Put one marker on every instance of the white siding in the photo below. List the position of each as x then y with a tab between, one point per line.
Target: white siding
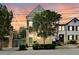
66	32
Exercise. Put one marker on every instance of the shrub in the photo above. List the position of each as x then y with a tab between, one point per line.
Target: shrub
35	46
43	46
26	45
22	47
72	42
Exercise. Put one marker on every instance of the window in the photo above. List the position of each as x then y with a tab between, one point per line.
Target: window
61	28
70	37
70	28
74	21
77	37
30	23
77	28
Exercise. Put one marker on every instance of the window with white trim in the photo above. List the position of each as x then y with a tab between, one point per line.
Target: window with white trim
77	28
70	28
30	23
61	28
70	37
77	37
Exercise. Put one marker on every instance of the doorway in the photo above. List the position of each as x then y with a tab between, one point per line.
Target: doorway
61	38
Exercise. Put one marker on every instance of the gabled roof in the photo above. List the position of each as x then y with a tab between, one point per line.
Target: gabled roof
39	6
69	21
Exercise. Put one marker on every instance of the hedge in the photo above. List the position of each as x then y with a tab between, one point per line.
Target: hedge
43	46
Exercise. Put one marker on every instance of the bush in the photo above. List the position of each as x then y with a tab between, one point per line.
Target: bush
35	46
26	45
22	47
72	42
43	46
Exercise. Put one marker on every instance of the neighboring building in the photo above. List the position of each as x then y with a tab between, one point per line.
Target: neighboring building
32	36
68	31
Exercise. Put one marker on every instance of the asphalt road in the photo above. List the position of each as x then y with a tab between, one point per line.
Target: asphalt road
13	51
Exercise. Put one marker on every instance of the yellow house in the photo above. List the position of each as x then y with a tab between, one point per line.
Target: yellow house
32	36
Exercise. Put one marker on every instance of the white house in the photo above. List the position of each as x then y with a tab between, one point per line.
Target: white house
68	31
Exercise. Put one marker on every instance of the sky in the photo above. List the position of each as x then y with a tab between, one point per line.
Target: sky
21	10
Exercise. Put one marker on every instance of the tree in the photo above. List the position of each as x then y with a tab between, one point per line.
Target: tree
5	22
22	32
15	34
44	23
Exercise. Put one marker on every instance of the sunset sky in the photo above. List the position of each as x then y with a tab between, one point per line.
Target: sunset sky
21	10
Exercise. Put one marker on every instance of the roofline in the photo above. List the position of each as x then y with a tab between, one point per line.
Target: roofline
68	22
34	9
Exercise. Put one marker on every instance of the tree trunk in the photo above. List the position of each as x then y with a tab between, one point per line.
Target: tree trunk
10	40
0	44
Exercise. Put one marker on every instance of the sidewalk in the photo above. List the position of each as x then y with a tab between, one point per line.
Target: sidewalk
67	46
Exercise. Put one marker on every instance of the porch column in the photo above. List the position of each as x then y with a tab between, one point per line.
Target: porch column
27	36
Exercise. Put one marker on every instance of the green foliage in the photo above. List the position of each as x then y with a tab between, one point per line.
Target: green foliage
72	42
35	46
5	20
22	47
44	23
26	45
30	29
43	46
22	32
15	34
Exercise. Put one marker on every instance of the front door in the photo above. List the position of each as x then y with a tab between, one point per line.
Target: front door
30	41
61	38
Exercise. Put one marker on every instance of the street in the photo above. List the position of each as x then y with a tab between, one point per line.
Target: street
13	51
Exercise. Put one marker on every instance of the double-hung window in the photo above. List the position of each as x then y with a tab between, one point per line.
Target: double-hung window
61	28
77	28
70	37
70	28
30	23
77	37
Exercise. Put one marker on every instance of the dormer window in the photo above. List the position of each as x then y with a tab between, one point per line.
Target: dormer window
74	21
